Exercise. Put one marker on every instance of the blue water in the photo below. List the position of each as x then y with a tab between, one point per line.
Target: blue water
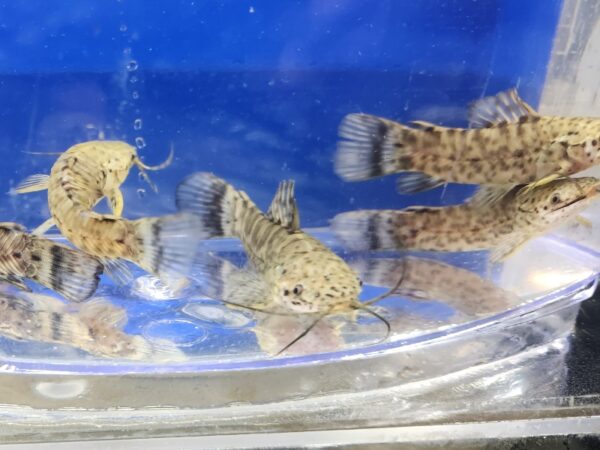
252	90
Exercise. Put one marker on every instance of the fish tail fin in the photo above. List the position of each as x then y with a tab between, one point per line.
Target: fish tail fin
69	272
370	229
167	245
213	200
371	146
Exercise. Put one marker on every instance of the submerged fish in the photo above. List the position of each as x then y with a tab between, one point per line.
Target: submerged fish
96	327
291	272
488	221
85	174
509	144
71	273
428	279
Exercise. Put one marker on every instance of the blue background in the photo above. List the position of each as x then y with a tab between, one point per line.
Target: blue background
252	90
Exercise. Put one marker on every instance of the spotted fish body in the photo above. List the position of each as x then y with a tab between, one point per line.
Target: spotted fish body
85	174
490	220
71	273
293	271
508	144
95	328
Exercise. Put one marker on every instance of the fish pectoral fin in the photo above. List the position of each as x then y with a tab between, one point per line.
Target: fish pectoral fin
541	182
115	200
118	270
488	195
44	227
505	106
247	288
507	248
283	209
585	222
15	281
33	183
413	182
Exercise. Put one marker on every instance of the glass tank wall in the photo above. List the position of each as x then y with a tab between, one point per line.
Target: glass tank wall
254	92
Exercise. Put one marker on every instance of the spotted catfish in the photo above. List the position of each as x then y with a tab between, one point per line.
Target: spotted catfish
508	143
84	175
290	271
69	272
487	221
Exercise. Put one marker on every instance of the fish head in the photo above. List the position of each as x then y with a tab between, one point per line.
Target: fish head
310	288
558	199
122	158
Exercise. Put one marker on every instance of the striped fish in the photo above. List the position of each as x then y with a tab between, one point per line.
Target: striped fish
69	272
509	143
292	271
84	175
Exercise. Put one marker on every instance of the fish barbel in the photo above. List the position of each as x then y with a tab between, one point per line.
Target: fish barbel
492	219
509	143
290	272
85	174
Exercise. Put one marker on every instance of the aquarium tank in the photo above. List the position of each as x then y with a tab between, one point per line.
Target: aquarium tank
256	224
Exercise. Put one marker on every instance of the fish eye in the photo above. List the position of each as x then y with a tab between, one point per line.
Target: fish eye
555	199
298	289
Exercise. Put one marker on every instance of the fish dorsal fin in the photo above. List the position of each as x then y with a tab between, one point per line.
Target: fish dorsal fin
283	209
506	106
413	182
488	195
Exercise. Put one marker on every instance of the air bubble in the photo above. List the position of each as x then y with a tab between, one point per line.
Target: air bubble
133	79
141	192
123	28
140	142
251	10
135	95
137	124
132	65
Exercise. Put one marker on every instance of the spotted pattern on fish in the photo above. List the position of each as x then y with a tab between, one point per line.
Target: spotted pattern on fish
70	272
503	224
85	174
300	272
522	149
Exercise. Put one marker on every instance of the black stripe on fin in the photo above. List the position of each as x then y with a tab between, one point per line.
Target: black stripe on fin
414	182
206	196
365	150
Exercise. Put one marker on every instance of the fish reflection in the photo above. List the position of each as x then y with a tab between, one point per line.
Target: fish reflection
428	279
95	327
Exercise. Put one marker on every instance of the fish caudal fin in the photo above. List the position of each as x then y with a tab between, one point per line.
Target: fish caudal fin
167	245
371	147
367	230
69	272
212	199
